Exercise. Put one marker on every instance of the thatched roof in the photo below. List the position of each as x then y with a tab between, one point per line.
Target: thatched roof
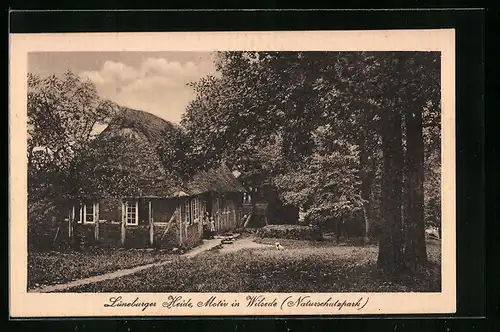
220	179
146	123
129	146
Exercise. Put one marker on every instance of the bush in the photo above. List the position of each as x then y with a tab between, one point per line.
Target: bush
44	222
41	235
293	232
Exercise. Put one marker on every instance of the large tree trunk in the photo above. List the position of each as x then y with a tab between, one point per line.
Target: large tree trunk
390	257
415	250
367	167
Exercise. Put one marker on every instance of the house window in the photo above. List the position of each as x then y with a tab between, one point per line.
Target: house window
187	213
88	213
247	198
195	209
131	213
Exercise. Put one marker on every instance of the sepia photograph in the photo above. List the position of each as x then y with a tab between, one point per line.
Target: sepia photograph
234	171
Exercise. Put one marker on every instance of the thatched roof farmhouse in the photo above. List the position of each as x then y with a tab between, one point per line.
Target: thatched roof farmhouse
134	200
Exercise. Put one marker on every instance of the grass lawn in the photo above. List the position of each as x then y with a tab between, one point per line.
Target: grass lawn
303	267
54	267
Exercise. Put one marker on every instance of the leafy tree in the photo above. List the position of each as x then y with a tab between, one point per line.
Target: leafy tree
269	99
384	75
422	94
176	154
325	184
63	113
116	164
351	105
329	131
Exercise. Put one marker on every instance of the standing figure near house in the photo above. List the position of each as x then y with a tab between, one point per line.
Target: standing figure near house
212	227
206	226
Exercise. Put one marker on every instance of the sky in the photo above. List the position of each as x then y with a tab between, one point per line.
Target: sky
154	82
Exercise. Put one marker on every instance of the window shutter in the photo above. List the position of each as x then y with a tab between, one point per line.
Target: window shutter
124	213
79	213
96	212
136	212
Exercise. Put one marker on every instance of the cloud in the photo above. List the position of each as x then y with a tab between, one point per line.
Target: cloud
149	83
94	76
112	72
161	66
119	71
156	85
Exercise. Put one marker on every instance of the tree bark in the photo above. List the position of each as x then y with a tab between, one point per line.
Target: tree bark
338	229
390	257
415	248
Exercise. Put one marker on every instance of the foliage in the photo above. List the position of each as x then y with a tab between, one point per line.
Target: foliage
296	232
42	228
306	124
309	126
277	93
63	113
432	164
175	151
432	190
116	164
325	185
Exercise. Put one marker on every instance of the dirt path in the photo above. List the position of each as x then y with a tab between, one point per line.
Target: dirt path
94	279
245	243
207	245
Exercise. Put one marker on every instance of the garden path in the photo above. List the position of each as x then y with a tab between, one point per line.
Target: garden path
245	243
207	245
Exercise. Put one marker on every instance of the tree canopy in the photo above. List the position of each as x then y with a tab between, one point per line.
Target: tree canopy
313	126
63	115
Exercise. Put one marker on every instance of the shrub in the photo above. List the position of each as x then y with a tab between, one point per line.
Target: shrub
41	235
293	232
41	226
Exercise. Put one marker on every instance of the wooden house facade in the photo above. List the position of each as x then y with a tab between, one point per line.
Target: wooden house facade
163	221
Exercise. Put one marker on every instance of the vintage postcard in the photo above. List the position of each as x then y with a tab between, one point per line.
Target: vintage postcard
232	173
